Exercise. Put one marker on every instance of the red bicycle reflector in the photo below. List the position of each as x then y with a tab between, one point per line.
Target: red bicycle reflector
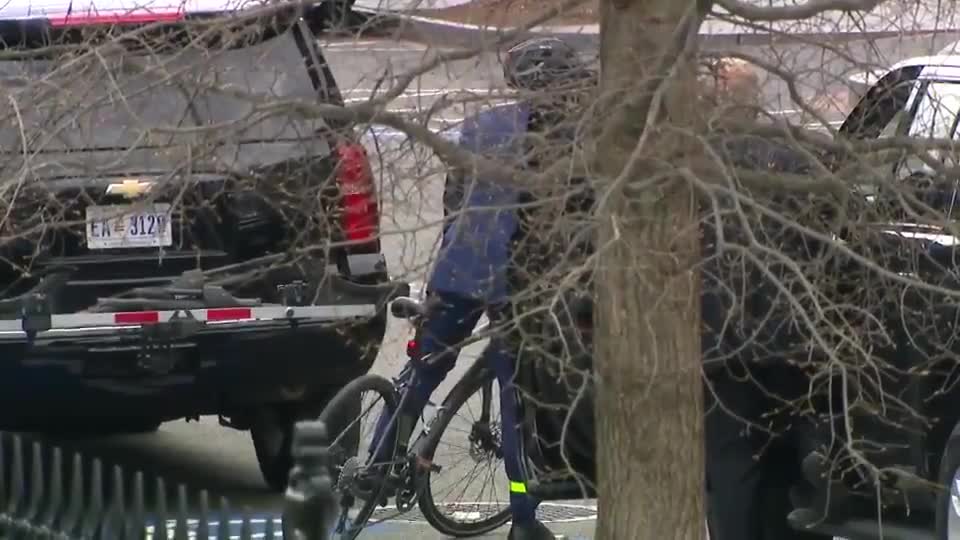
137	317
411	347
229	314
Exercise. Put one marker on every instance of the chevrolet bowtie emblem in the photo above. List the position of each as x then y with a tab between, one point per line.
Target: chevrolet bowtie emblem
129	189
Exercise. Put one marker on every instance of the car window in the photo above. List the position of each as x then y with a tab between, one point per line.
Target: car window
892	127
882	113
936	117
937	110
877	110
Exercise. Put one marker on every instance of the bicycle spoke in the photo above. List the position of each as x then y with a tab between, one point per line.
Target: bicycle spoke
473	468
360	480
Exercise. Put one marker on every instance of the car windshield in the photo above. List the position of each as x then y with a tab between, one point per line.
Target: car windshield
936	117
210	89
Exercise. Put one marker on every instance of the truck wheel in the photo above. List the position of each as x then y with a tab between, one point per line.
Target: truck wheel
272	433
948	499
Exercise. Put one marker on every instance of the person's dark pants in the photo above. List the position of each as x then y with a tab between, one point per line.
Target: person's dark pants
753	455
444	330
754	442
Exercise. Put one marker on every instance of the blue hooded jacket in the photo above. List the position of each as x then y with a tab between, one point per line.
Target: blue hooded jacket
474	251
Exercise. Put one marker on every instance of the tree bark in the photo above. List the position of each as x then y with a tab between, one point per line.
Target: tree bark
650	398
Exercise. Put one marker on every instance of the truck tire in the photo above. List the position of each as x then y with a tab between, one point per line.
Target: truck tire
948	499
272	434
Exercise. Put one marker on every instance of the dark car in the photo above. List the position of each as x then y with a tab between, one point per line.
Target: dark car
181	234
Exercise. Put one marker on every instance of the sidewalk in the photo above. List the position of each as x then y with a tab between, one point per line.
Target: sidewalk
583	530
569	521
389	530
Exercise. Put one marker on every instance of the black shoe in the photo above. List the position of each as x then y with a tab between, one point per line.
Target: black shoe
815	471
805	518
824	500
530	531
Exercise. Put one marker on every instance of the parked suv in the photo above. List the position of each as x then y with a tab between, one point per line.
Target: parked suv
181	234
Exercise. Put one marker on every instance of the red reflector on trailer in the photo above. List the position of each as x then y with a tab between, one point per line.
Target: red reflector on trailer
137	317
229	314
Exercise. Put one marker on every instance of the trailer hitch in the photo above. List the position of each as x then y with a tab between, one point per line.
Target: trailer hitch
293	294
156	354
35	315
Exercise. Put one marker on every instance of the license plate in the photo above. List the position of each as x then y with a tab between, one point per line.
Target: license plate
126	226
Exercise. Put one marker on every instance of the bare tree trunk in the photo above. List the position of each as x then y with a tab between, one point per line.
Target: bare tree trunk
649	403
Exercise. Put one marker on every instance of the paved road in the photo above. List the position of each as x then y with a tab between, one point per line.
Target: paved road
818	71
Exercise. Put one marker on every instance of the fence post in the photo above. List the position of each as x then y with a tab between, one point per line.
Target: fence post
311	506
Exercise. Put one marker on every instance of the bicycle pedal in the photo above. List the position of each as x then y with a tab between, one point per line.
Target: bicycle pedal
424	465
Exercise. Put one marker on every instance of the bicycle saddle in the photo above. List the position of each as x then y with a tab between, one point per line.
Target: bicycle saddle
404	307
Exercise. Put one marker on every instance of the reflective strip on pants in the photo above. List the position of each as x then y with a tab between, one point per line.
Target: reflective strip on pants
518	487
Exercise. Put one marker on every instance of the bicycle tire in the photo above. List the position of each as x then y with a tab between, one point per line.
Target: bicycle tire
465	387
343	400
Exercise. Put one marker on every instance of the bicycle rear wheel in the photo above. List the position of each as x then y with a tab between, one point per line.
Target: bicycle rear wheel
470	419
357	477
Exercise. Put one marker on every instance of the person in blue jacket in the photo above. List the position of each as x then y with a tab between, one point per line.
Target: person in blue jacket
469	278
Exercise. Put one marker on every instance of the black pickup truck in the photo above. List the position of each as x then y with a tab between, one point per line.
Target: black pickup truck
180	234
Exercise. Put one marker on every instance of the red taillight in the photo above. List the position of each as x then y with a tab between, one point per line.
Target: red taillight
360	215
411	348
108	18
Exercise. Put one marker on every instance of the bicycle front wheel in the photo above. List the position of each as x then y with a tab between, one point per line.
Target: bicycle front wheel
360	480
468	434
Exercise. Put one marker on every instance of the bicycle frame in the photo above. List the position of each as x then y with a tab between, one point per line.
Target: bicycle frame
408	465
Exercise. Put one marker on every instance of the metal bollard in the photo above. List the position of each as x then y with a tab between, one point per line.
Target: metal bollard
45	494
310	509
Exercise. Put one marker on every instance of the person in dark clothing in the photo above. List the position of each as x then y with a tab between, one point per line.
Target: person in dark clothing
469	277
754	445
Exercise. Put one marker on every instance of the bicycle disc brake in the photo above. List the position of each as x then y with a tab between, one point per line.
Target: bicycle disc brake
485	443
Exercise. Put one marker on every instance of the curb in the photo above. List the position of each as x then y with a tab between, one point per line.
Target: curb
401	26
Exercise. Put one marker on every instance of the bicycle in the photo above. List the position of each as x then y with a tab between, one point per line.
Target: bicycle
406	475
